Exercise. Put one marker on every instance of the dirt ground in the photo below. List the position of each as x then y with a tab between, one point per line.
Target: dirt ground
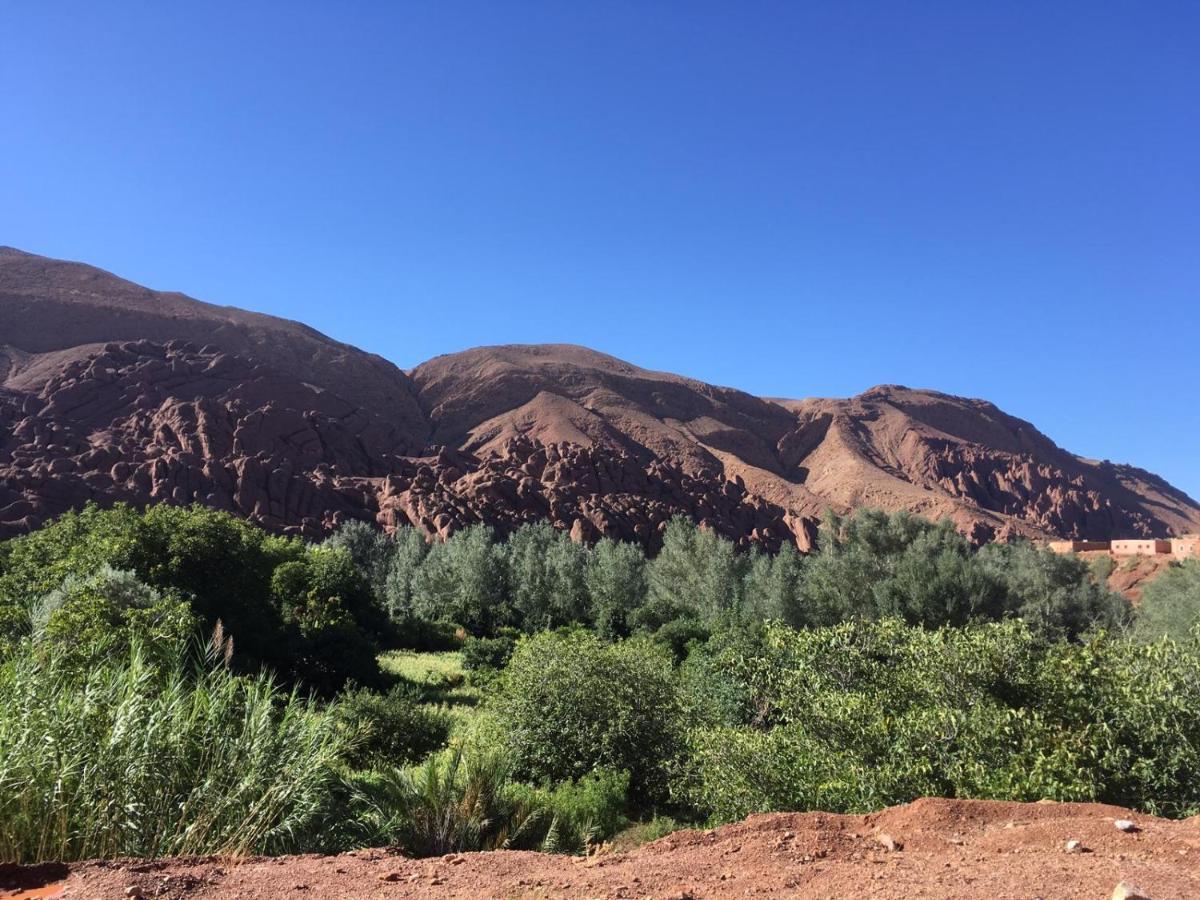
928	849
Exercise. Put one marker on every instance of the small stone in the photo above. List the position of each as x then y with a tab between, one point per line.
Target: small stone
134	891
1127	891
1126	825
889	843
1075	847
389	876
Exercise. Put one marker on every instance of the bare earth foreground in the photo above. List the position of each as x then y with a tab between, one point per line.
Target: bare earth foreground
930	848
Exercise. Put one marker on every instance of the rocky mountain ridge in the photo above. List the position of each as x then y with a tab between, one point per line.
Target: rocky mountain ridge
112	392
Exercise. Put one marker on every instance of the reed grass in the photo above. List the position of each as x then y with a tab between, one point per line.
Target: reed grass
134	759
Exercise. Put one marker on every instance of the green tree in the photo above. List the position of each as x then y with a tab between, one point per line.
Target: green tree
409	548
1054	593
462	581
545	577
371	550
1170	604
697	575
775	588
616	586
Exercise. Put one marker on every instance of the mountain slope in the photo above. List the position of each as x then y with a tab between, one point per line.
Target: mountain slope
110	391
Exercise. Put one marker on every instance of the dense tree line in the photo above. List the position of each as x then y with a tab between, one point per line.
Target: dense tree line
704	682
870	566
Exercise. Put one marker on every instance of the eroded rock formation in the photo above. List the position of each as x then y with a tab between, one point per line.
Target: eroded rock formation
111	392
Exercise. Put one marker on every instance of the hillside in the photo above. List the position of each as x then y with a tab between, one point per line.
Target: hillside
110	391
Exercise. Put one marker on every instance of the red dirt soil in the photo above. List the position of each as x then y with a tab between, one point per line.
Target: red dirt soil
931	849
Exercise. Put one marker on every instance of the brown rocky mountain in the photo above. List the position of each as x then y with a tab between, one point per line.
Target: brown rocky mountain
110	391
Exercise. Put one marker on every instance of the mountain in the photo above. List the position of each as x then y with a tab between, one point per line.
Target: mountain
112	392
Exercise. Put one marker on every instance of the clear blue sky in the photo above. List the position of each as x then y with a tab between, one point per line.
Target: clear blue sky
993	199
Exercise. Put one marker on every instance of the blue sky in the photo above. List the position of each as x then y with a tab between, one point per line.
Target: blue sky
798	199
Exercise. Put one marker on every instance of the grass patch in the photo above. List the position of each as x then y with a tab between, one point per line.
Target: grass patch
640	833
441	679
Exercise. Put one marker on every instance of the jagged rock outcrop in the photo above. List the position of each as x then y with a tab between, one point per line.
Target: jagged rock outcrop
111	392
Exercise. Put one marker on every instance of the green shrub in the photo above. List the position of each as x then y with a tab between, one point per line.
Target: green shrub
88	620
573	815
570	705
392	729
864	715
484	654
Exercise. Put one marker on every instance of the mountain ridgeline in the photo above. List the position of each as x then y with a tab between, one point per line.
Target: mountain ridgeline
113	392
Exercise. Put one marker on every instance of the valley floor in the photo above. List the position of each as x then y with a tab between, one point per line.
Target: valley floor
930	849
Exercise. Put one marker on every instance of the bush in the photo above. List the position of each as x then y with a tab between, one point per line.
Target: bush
89	620
864	715
487	654
570	705
140	760
392	729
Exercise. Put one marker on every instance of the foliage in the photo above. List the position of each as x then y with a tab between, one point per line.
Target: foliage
1170	604
89	619
371	552
481	654
873	565
462	581
465	800
304	612
863	715
392	729
408	550
545	570
697	575
140	760
1053	592
571	704
616	586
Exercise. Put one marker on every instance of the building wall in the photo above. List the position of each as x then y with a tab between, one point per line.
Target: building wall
1078	546
1140	547
1186	546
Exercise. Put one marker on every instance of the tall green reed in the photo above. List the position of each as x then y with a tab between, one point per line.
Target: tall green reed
136	759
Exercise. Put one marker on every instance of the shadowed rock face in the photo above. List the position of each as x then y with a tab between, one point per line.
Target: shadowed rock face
112	392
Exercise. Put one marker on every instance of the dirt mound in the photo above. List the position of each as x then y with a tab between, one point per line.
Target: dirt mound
110	391
930	849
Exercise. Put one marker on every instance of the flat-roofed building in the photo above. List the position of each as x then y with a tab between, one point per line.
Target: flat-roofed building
1140	547
1186	546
